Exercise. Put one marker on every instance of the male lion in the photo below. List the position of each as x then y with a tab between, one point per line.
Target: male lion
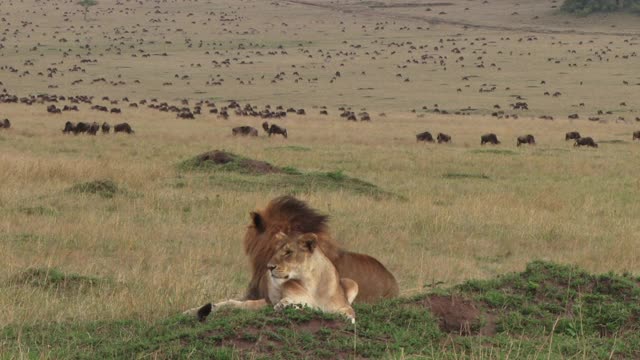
299	274
289	215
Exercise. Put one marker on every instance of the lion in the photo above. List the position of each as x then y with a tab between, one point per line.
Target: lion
289	215
299	274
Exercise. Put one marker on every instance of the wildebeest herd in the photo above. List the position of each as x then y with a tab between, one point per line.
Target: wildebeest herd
251	131
93	128
529	139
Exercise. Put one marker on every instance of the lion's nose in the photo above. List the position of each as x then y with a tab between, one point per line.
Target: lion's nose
271	267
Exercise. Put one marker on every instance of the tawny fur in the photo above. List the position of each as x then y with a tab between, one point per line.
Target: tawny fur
299	273
289	215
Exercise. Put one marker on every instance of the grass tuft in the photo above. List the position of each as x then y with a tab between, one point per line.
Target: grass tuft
54	279
235	172
494	151
465	176
105	188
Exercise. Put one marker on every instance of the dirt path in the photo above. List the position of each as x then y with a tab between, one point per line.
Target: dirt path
350	8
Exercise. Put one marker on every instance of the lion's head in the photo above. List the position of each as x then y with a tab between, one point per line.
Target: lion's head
288	215
293	256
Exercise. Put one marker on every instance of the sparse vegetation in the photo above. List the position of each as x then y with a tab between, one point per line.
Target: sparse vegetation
105	188
586	7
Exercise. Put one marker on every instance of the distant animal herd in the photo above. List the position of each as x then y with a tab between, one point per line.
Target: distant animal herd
528	139
93	128
273	129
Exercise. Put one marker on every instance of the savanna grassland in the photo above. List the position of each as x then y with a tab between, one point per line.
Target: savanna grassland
105	239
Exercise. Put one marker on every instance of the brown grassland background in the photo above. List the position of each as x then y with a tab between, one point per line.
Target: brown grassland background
171	239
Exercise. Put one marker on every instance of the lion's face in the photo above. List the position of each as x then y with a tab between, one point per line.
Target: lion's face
291	257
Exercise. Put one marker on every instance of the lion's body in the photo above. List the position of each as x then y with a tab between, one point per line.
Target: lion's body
289	215
299	274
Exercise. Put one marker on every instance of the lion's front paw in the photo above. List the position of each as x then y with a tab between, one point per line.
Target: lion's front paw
201	312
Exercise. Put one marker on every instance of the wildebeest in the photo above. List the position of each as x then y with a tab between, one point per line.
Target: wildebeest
244	131
443	138
106	128
81	127
275	129
93	128
265	126
572	135
489	138
52	109
5	124
424	136
124	127
585	141
69	127
526	139
636	135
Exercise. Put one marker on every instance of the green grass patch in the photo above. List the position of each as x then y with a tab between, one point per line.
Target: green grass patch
37	210
54	279
105	188
290	148
239	173
465	176
586	7
592	316
616	141
532	301
494	151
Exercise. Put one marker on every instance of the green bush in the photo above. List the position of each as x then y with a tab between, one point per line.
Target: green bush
586	7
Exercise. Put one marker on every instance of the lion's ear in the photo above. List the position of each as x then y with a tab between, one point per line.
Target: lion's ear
258	222
310	241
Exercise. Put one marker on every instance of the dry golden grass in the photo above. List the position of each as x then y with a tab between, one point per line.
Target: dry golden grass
172	239
167	247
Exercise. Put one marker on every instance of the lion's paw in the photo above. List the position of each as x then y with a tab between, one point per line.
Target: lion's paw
201	312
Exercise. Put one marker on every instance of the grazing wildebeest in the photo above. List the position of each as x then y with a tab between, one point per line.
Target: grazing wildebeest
443	138
52	109
275	129
81	127
116	111
93	128
489	138
106	128
265	126
424	136
526	139
124	127
244	131
5	124
572	135
585	141
636	135
69	127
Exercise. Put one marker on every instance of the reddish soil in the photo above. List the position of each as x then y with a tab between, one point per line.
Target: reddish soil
460	316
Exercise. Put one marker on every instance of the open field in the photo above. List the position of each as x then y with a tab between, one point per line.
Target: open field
115	229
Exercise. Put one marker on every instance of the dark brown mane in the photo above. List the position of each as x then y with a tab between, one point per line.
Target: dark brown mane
288	215
296	214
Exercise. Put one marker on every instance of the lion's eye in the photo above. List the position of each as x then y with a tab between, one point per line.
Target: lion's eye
288	253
